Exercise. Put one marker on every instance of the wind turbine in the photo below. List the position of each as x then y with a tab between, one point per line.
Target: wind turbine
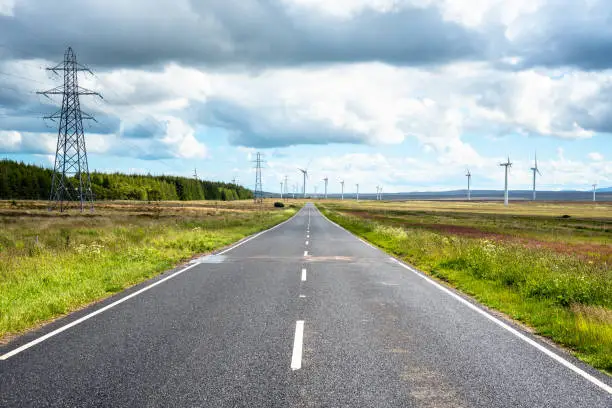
281	184
325	180
535	170
377	189
469	176
506	165
357	196
286	188
594	189
342	195
305	174
380	194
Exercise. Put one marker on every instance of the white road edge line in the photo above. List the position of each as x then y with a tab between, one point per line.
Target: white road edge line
303	275
123	299
296	358
495	320
306	242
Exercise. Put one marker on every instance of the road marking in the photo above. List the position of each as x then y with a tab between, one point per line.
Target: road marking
495	320
306	242
296	358
82	319
131	295
303	275
302	296
305	253
307	236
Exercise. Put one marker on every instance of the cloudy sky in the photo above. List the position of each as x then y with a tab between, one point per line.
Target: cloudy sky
400	93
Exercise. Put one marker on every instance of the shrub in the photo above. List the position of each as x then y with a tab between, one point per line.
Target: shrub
278	204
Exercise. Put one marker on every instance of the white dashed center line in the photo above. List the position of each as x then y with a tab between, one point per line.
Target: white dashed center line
296	359
303	275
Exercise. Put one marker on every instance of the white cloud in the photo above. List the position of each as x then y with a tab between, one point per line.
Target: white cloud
180	139
6	7
9	139
596	156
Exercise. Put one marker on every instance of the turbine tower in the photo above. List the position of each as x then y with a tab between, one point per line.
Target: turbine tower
594	189
357	195
535	170
325	180
469	177
380	197
281	190
70	180
377	190
342	194
506	165
286	188
305	174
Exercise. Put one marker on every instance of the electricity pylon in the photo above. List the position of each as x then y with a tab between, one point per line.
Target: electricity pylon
71	180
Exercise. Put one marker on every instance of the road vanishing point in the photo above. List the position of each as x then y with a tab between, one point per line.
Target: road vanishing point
302	315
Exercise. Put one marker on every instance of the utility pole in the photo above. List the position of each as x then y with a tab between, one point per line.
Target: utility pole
258	192
594	189
70	180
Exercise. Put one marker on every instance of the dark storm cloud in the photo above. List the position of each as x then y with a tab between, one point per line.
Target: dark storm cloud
251	129
571	33
255	33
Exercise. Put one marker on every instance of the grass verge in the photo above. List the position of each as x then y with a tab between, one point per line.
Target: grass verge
52	265
565	298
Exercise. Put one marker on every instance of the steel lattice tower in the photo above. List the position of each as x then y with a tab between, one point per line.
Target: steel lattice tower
71	180
258	192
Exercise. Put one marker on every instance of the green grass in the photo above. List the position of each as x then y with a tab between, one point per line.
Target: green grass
562	296
51	265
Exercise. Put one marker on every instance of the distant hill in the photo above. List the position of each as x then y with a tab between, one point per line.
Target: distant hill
26	181
604	190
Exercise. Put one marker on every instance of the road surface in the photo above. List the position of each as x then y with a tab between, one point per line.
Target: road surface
303	315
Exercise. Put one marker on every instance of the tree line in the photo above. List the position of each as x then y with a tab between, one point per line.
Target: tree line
26	181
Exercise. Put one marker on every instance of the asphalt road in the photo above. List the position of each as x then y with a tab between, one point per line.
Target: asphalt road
267	324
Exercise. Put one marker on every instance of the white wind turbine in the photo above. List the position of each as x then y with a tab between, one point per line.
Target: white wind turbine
305	174
535	170
506	165
357	195
469	177
594	190
342	195
325	180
